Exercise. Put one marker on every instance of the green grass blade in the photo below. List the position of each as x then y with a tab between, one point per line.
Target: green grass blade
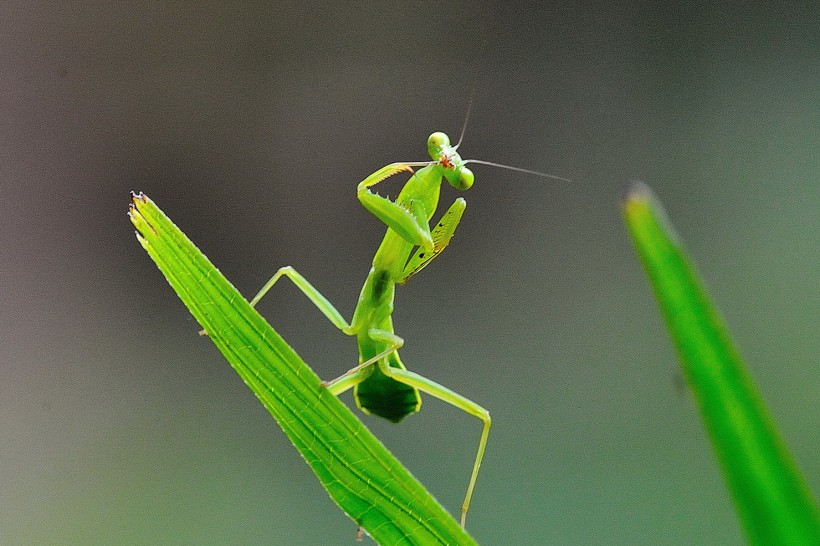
358	472
774	503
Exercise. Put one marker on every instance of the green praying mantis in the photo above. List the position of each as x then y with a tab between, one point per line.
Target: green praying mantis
381	383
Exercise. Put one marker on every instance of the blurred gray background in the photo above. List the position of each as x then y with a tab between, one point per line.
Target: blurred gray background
250	125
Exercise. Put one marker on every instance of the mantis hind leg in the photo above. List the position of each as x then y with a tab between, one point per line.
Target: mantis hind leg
376	393
356	375
453	398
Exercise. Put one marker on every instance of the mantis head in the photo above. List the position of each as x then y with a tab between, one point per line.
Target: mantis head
442	152
459	176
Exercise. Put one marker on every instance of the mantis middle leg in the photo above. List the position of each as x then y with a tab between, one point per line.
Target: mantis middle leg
313	295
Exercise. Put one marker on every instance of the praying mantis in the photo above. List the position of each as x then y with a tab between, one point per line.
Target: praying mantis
381	383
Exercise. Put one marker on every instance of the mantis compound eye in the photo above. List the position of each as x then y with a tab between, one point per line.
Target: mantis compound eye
436	143
465	179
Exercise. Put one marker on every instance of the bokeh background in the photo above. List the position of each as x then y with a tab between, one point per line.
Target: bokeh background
250	125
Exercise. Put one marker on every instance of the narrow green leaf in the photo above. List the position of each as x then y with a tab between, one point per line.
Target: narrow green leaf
358	472
774	503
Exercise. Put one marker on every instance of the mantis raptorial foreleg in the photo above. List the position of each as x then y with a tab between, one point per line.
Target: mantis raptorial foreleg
441	235
409	222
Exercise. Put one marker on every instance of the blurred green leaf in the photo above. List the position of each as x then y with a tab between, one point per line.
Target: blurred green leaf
358	472
774	503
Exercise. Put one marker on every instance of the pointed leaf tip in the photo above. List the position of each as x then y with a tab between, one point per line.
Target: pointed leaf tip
637	190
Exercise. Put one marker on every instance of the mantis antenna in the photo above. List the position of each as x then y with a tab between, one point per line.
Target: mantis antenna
490	163
470	102
467	114
518	169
